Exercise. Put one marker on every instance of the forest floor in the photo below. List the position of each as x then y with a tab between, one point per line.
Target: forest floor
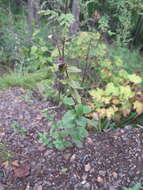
107	161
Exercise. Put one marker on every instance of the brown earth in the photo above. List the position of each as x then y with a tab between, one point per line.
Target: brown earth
107	161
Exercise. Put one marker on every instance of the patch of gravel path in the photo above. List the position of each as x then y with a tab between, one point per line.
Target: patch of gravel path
107	161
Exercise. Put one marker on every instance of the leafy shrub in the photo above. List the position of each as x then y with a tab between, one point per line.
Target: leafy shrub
119	93
70	130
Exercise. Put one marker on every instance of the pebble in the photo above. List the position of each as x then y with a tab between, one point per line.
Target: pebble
100	180
102	173
87	167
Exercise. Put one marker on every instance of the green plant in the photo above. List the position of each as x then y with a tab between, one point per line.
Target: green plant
29	80
70	130
136	187
119	93
18	129
5	154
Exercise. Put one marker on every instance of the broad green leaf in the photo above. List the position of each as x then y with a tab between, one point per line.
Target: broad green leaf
82	132
86	109
68	101
59	144
73	69
34	49
68	118
75	84
82	121
79	109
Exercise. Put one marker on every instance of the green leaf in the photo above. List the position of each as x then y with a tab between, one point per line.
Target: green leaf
86	109
79	109
82	132
76	95
68	119
82	121
75	84
73	69
68	101
59	144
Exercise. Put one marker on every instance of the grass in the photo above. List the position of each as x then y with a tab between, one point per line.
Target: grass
133	61
28	80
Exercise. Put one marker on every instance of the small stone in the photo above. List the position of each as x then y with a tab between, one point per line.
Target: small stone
128	127
83	182
38	187
115	175
112	187
84	177
67	156
41	148
89	140
100	180
87	167
87	186
102	173
73	158
48	152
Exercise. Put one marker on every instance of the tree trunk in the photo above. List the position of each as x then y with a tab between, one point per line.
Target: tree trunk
30	18
33	16
75	11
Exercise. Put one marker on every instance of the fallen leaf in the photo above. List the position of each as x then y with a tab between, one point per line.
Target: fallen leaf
22	171
15	163
5	164
39	117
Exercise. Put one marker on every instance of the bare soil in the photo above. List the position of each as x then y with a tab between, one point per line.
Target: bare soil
107	161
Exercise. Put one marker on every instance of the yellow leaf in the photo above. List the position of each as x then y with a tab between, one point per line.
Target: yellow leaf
116	101
101	112
5	164
110	112
138	106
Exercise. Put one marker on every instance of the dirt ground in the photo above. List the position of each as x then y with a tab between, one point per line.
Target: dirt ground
107	161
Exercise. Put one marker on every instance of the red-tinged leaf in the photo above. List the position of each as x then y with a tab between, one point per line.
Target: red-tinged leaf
22	171
39	117
15	163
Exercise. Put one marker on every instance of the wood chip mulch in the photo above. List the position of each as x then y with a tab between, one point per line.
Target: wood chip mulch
107	161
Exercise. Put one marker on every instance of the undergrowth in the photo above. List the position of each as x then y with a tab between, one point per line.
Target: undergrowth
28	80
